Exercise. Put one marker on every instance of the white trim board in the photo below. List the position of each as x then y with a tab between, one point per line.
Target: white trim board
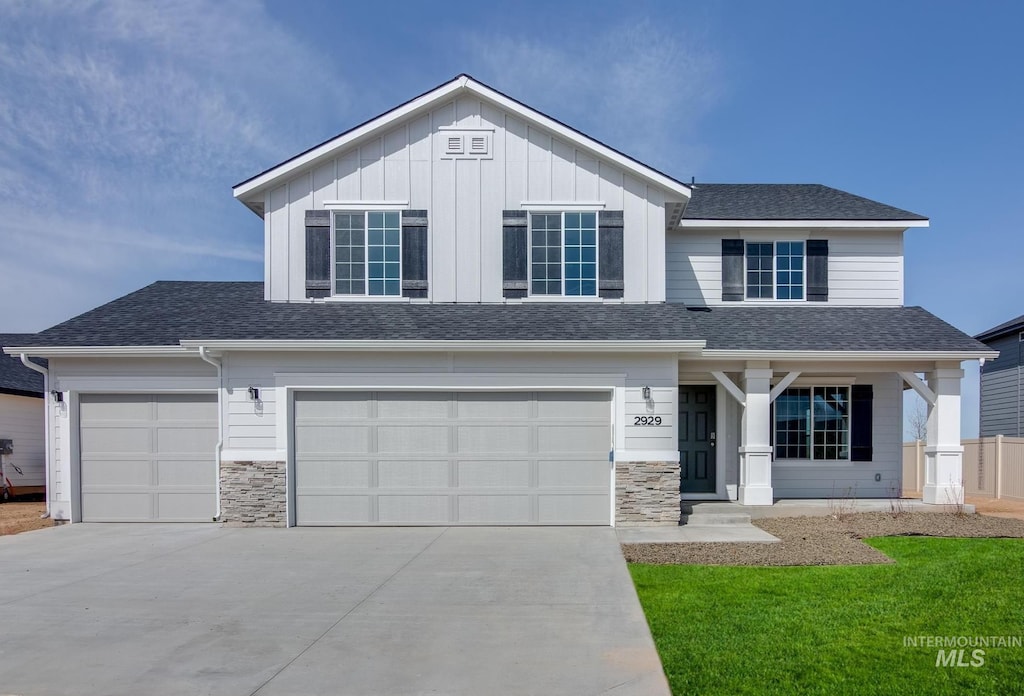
804	224
482	346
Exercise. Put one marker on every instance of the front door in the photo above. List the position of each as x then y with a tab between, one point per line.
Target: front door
697	461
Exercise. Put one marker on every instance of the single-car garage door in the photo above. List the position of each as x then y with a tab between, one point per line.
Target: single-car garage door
470	458
148	457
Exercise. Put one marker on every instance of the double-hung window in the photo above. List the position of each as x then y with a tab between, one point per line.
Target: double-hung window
775	270
813	423
368	253
563	254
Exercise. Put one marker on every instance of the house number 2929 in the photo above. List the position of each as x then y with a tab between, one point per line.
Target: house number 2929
646	420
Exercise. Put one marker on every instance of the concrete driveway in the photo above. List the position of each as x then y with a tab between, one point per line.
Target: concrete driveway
198	609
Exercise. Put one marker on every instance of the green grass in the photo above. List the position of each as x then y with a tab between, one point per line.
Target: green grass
840	629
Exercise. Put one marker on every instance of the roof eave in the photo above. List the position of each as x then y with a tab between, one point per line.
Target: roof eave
246	190
52	351
490	346
846	355
802	224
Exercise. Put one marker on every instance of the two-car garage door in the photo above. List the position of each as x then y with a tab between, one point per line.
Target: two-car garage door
472	458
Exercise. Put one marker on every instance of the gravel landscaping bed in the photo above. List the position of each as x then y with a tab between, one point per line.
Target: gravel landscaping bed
825	540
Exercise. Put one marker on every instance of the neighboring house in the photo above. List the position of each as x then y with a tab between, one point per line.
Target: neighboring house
473	314
1002	398
22	414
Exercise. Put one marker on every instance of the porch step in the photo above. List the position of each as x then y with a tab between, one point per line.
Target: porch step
712	514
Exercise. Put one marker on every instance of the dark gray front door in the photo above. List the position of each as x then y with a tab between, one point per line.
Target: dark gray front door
697	439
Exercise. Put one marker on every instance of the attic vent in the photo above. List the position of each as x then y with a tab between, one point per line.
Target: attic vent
454	145
464	142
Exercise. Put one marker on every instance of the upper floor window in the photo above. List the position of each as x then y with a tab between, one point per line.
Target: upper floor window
775	270
563	254
813	423
368	253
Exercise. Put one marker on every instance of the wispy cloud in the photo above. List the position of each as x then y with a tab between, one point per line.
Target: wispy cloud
118	118
639	87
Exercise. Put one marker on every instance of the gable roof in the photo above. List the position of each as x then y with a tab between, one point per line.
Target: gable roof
787	202
15	378
245	190
1007	327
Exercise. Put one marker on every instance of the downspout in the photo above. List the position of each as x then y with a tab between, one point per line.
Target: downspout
46	421
217	363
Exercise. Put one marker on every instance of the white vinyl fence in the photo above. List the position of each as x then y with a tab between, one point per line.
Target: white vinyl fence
993	467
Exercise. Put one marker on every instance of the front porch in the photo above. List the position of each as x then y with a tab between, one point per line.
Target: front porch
815	429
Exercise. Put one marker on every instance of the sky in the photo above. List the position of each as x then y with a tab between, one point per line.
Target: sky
123	125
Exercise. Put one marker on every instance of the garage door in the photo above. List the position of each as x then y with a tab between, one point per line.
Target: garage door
452	458
148	457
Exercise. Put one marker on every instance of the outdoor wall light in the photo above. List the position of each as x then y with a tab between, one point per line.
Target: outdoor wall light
645	391
254	393
58	396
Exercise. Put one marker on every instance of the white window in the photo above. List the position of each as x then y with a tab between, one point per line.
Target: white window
775	270
367	253
813	423
563	254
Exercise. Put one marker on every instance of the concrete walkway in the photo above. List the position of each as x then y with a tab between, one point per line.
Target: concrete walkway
198	609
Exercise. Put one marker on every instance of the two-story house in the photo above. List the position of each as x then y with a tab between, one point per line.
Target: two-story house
474	314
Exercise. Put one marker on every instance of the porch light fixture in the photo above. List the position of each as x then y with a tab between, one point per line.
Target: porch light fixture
58	396
254	393
645	391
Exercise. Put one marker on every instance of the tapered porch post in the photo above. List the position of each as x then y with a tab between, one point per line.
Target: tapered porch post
755	444
943	481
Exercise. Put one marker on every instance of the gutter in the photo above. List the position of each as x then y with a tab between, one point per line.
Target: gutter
833	355
219	447
46	420
482	346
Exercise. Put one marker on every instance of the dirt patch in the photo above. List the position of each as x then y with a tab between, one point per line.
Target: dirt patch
17	517
825	540
998	508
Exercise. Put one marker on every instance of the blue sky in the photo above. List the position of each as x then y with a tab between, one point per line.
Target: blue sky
123	125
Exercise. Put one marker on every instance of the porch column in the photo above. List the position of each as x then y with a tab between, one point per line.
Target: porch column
943	478
755	443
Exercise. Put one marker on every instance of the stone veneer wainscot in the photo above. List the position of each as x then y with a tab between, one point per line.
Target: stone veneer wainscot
253	494
646	493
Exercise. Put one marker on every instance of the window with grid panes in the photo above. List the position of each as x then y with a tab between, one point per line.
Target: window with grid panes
368	253
813	423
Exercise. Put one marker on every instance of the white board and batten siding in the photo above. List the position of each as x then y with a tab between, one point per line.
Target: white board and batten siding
865	267
464	199
807	479
21	420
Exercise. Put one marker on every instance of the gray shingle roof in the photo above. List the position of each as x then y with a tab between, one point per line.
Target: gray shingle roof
15	378
165	313
1007	327
785	202
830	328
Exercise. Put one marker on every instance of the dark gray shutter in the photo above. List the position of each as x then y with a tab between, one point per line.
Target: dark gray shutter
732	270
414	253
318	253
817	270
861	398
609	268
515	253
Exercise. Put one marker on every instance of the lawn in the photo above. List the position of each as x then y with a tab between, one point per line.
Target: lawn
841	629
